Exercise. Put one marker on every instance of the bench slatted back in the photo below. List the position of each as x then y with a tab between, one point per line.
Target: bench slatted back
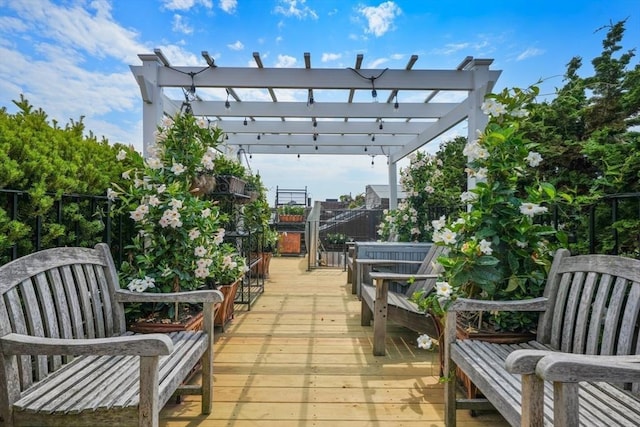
430	265
595	305
59	293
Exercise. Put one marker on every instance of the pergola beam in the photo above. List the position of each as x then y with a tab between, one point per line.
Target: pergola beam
322	127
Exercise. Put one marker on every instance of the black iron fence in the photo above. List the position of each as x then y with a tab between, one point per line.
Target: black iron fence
611	225
30	224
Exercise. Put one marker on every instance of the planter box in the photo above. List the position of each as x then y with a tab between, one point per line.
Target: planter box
152	326
289	243
230	184
291	218
224	313
262	268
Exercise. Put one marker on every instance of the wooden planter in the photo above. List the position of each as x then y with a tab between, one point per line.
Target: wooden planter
152	325
289	243
225	312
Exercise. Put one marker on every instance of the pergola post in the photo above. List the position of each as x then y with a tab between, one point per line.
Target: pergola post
153	100
393	185
477	120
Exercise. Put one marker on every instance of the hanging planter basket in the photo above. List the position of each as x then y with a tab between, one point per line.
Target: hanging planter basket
230	184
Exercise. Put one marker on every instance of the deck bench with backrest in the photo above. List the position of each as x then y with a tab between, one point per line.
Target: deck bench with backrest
588	328
66	356
388	297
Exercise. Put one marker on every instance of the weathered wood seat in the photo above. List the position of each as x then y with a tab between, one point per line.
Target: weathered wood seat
589	312
388	297
66	356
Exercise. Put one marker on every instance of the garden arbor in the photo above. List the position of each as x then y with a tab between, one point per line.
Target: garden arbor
331	111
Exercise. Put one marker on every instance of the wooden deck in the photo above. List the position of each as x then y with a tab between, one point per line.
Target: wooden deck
300	358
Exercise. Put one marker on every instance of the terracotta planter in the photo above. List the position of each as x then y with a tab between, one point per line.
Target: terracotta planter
150	326
291	218
289	243
224	313
262	268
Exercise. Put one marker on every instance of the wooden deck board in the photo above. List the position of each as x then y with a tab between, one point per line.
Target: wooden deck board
299	357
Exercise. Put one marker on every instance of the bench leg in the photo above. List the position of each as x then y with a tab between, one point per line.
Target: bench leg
532	401
207	359
380	318
565	404
366	315
149	407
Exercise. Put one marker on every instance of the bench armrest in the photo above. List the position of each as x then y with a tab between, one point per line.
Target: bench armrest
571	368
525	361
204	296
465	304
400	277
372	261
134	345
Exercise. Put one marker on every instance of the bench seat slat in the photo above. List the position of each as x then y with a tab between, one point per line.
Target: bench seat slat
96	383
600	403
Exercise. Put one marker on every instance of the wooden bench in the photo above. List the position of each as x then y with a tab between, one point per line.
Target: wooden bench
388	298
402	251
66	357
589	312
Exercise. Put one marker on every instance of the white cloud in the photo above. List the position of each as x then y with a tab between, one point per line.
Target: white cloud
180	25
326	57
185	4
377	62
296	8
228	6
278	39
286	61
380	18
236	46
397	56
530	53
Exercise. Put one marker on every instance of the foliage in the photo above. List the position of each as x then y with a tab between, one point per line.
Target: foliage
179	242
44	161
587	139
354	202
432	184
257	216
291	210
496	250
225	165
336	238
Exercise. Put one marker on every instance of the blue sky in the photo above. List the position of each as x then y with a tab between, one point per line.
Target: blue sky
71	57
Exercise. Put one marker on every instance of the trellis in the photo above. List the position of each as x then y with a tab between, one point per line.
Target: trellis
325	111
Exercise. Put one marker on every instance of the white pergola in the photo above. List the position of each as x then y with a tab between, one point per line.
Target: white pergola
329	111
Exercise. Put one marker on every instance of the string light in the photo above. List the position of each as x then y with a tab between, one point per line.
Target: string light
245	121
396	106
227	104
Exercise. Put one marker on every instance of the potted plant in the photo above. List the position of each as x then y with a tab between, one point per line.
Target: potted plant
291	213
179	242
500	247
230	175
256	217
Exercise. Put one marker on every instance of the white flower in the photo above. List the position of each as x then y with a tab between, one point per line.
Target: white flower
481	173
194	234
206	213
438	224
445	236
141	285
121	155
154	163
204	262
521	244
219	236
531	209
491	107
139	213
425	342
474	151
175	204
111	195
429	189
485	247
415	230
207	162
164	222
153	201
126	174
202	123
533	158
201	272
443	289
200	251
468	197
178	168
520	112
